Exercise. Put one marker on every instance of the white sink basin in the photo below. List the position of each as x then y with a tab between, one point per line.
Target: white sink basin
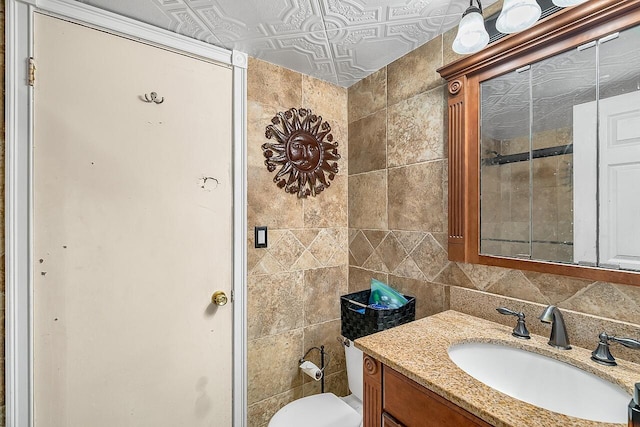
542	381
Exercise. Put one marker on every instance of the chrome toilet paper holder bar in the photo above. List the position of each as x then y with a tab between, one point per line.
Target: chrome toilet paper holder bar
322	362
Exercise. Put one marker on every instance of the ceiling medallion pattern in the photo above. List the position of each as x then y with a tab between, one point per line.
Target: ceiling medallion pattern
339	41
304	149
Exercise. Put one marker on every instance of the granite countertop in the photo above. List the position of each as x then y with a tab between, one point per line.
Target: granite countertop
419	351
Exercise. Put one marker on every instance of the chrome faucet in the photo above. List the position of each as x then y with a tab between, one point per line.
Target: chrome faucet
520	331
602	354
559	337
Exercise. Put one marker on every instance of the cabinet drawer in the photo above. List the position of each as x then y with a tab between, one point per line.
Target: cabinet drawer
389	421
412	405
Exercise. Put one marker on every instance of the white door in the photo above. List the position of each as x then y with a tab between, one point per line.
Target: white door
132	233
618	199
619	178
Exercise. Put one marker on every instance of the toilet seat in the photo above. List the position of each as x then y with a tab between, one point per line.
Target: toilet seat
319	410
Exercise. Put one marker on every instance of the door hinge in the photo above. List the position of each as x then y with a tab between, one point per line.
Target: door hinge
32	72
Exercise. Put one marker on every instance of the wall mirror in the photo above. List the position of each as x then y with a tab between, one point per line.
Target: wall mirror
544	143
560	157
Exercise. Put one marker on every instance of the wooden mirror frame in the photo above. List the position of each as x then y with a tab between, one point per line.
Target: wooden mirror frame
564	30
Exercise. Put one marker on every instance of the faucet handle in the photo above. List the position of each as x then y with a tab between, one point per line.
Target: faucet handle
603	355
627	342
520	331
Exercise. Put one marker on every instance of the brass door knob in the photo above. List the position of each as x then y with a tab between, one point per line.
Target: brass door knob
219	298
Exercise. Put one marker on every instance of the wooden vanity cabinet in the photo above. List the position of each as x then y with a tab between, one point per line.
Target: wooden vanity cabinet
393	400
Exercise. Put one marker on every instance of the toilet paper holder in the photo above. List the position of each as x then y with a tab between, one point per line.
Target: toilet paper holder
323	365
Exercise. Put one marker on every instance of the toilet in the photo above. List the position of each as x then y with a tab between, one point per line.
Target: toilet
327	409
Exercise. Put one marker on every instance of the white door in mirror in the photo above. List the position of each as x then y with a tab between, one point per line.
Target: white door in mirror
618	198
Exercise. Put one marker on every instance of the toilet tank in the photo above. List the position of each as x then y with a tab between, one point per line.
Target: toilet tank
354	368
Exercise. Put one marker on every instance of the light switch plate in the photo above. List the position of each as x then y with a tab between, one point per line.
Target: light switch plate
260	237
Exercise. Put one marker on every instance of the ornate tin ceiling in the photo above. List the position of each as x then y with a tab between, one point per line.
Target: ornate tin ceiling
340	41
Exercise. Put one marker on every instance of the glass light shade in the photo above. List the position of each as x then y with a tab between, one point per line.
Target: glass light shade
567	3
518	15
472	35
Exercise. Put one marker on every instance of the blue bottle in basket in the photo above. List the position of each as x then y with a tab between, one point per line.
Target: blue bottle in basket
384	296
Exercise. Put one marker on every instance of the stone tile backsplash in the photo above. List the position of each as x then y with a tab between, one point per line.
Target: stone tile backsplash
398	214
295	283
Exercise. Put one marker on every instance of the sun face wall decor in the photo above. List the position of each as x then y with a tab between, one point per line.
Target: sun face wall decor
304	149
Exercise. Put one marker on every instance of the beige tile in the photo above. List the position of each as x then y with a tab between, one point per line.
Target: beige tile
368	200
630	291
352	234
375	236
360	279
259	414
416	129
482	276
430	257
375	263
368	95
272	365
545	171
442	239
269	205
429	296
454	276
515	284
258	118
306	235
556	288
325	334
409	239
341	255
329	208
324	99
360	249
340	133
254	255
270	84
606	300
408	268
267	265
305	262
492	9
287	250
391	252
415	72
274	304
368	143
323	288
415	198
325	246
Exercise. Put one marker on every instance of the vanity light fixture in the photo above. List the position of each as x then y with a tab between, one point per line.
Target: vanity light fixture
567	3
472	34
515	16
518	15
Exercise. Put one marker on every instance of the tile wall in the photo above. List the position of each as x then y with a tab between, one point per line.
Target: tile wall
398	202
294	285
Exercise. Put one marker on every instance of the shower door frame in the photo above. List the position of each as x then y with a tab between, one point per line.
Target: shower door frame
19	191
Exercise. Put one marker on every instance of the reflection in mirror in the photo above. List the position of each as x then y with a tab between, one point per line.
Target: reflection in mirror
560	157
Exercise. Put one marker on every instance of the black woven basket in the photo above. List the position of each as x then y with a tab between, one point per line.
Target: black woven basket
356	324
